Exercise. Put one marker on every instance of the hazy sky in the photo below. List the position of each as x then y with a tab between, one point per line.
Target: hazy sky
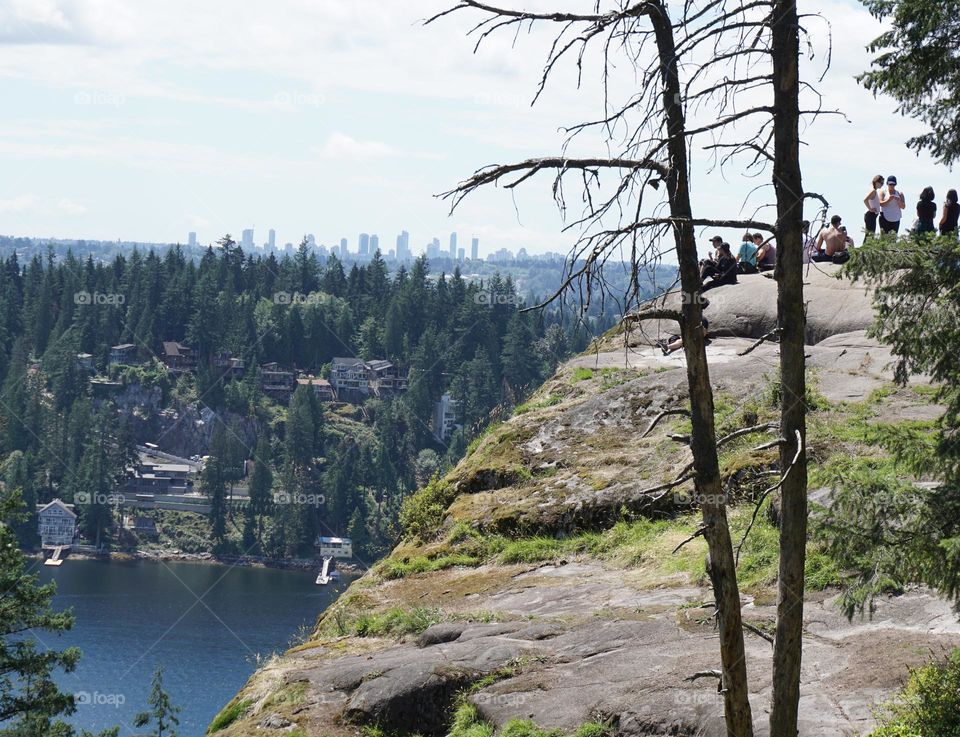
144	120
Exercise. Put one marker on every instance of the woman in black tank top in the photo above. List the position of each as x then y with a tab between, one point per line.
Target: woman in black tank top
951	214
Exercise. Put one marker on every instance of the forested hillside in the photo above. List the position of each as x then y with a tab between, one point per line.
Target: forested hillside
62	433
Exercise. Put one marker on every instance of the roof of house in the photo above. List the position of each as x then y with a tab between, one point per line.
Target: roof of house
334	540
68	508
307	380
122	347
379	365
347	361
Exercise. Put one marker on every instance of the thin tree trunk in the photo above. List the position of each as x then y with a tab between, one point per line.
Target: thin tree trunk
788	641
722	566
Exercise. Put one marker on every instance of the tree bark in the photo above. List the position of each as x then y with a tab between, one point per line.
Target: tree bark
788	640
722	566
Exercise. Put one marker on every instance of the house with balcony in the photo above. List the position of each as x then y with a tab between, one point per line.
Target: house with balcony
348	377
384	378
228	366
56	523
125	353
444	420
178	357
276	382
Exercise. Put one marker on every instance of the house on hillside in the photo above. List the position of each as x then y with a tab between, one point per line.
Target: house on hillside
178	357
229	366
334	547
125	353
276	382
85	362
322	388
348	375
353	378
385	378
444	420
57	523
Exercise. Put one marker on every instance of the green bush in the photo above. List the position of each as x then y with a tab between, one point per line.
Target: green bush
228	715
929	705
422	513
396	622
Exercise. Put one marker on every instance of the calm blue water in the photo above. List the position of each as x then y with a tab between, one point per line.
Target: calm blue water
205	624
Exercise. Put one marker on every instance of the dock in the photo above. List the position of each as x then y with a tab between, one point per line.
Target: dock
325	576
55	559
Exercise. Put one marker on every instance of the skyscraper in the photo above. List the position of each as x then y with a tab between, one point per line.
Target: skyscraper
374	243
247	240
271	239
343	247
460	254
364	242
191	238
474	248
453	245
403	246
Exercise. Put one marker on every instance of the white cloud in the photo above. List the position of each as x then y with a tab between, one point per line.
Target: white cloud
342	146
69	207
21	203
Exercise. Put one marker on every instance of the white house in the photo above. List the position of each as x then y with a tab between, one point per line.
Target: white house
444	420
57	523
335	547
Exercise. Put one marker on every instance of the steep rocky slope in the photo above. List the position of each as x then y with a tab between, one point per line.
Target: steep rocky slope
543	583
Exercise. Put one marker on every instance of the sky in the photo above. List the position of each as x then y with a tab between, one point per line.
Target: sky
145	120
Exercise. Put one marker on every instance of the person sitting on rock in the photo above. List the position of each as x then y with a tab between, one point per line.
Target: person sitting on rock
766	252
721	270
675	342
747	256
832	242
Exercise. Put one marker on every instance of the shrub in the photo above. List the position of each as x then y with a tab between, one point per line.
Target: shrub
422	513
929	705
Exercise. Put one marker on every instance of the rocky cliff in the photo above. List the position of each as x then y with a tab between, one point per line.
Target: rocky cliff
543	582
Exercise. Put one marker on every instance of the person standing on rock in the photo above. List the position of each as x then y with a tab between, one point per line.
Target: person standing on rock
747	256
951	213
872	203
892	205
926	212
809	244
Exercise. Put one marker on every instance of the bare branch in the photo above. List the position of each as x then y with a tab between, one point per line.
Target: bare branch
760	341
665	413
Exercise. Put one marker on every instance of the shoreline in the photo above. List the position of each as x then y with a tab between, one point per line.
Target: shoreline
247	561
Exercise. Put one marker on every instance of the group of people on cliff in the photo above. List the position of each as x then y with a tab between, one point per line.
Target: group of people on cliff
886	204
885	207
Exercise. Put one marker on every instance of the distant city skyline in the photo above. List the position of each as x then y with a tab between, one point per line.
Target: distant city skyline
367	244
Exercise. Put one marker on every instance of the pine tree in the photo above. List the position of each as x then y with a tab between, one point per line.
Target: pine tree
162	714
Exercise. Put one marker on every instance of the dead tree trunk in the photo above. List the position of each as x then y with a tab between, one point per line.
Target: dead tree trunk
703	443
788	642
